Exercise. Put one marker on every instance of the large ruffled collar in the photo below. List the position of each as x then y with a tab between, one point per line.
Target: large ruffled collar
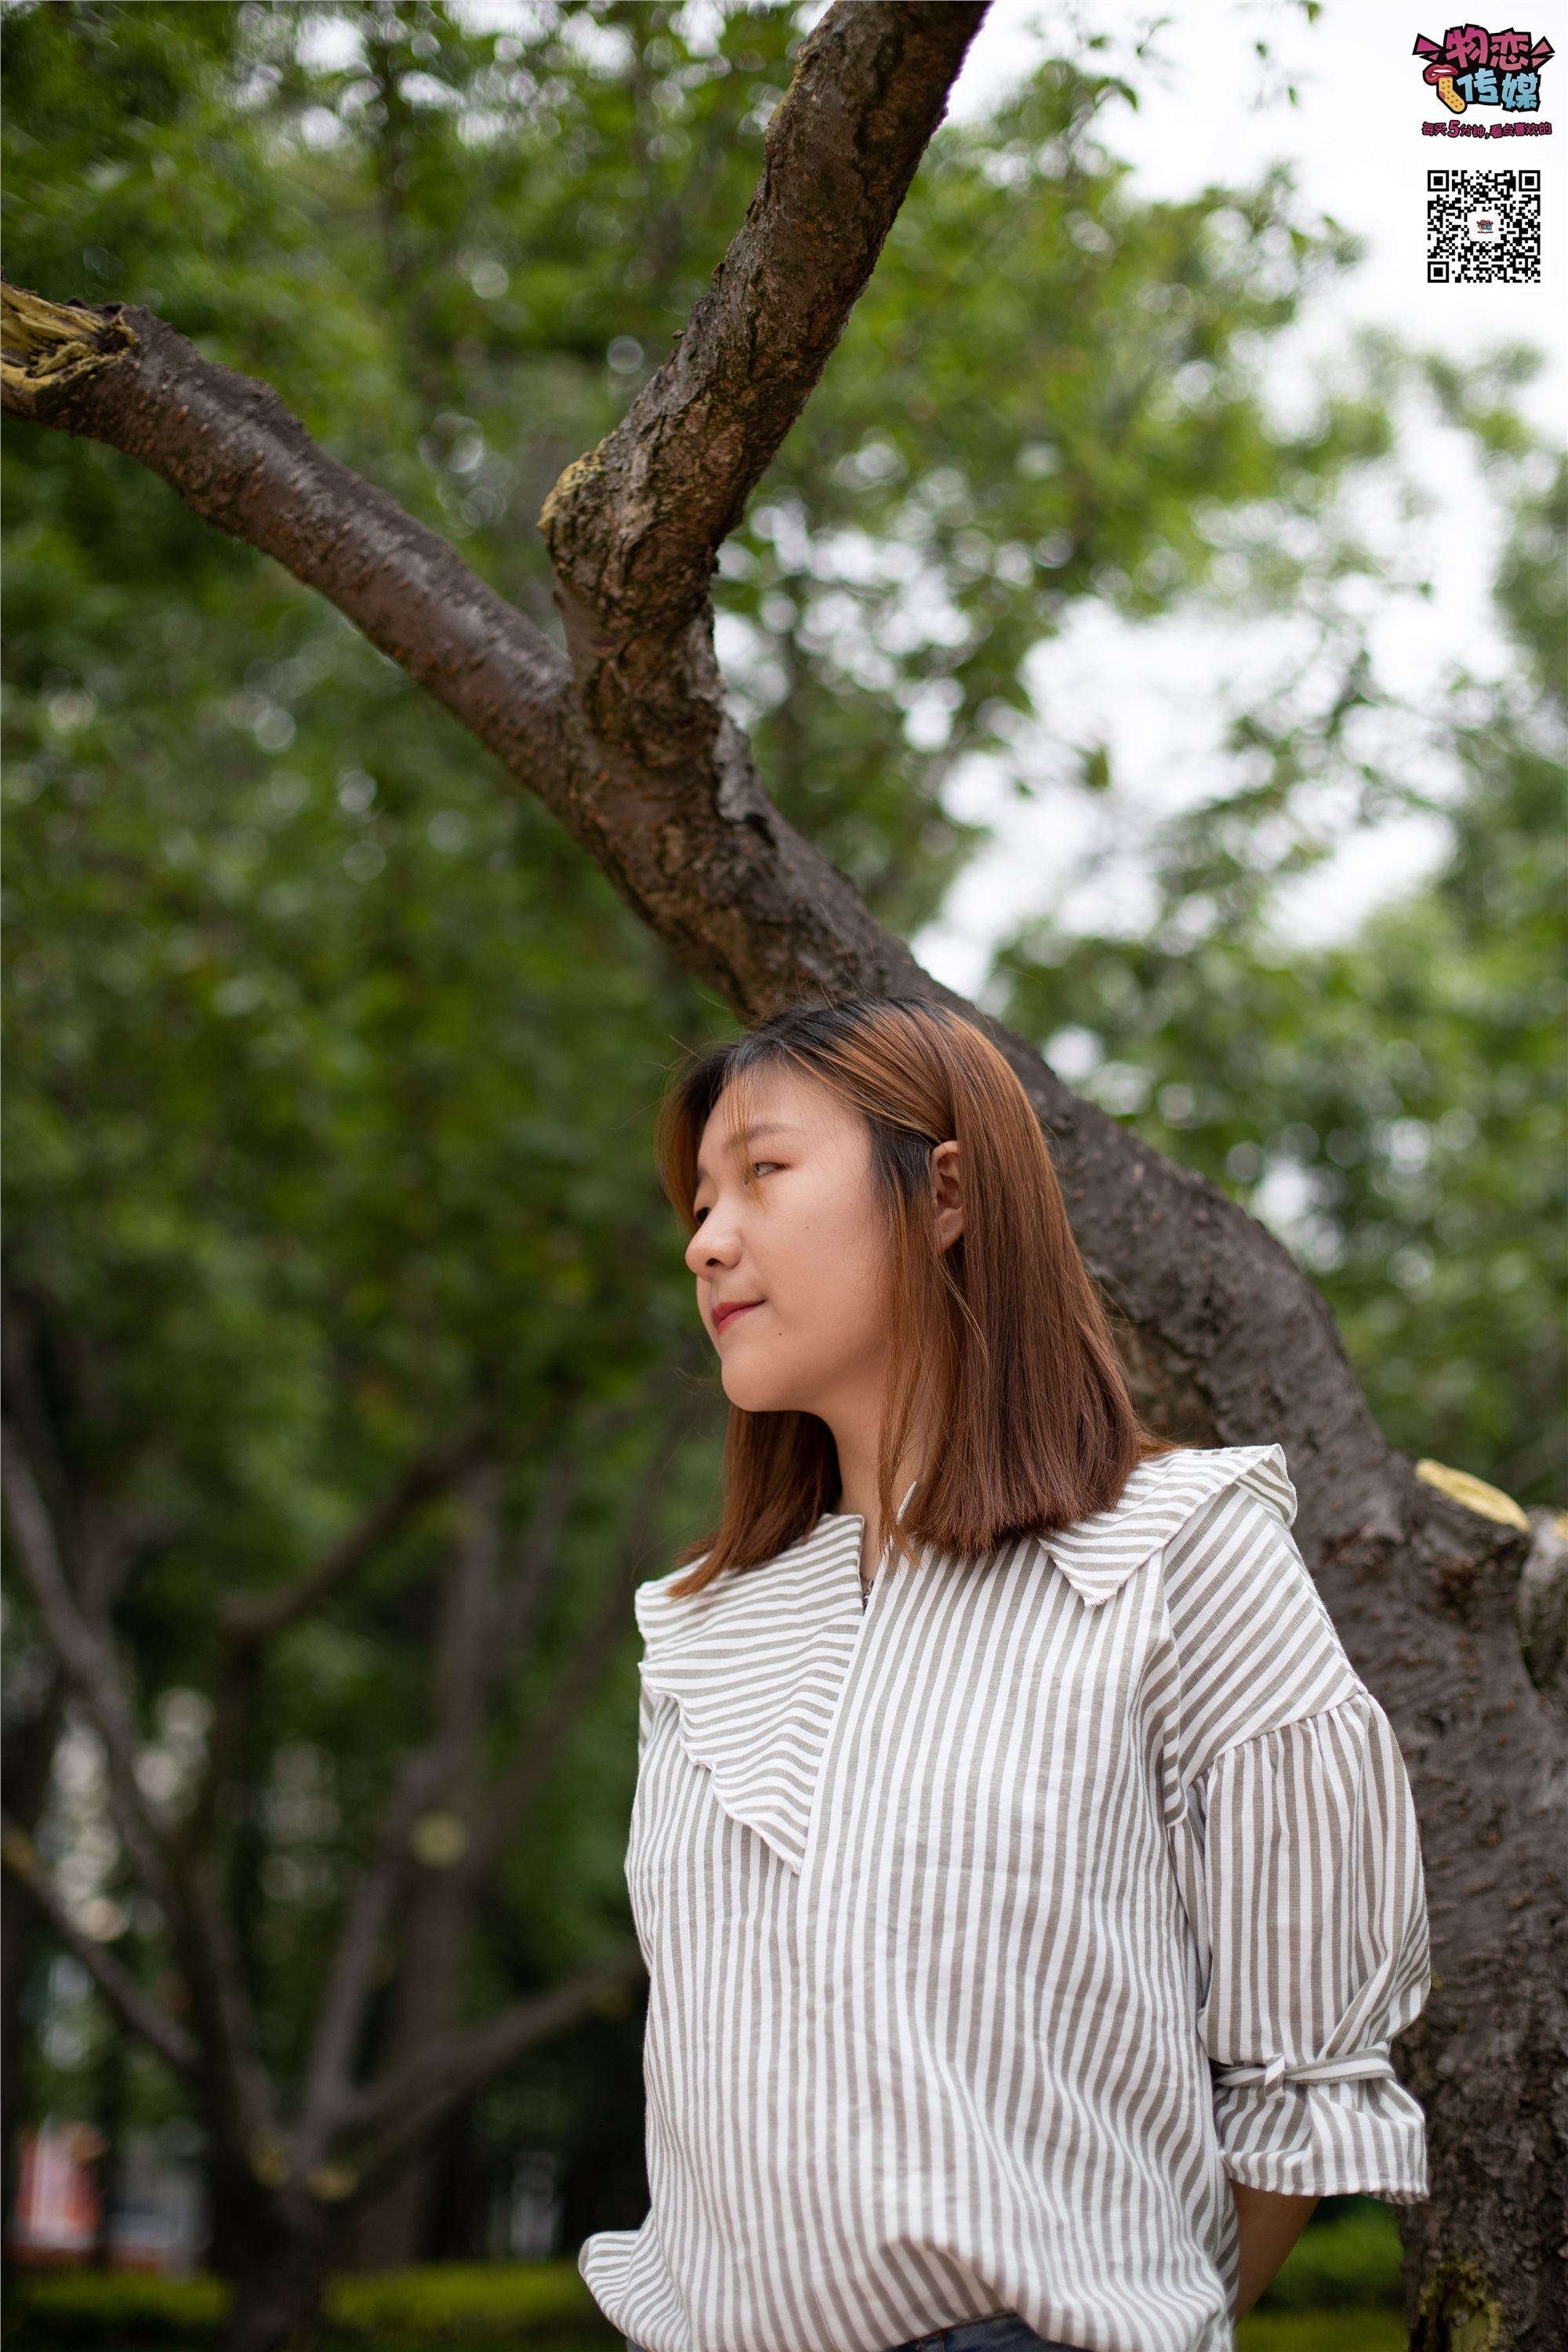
756	1661
1097	1556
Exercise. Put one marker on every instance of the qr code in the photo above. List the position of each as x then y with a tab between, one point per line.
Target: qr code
1483	228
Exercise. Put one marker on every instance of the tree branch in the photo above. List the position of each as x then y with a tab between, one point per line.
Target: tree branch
537	1553
251	1618
400	2109
88	1663
679	821
435	1913
508	1801
248	1620
49	350
534	1560
426	1776
634	526
181	1884
422	1779
230	449
352	1971
470	1606
136	2008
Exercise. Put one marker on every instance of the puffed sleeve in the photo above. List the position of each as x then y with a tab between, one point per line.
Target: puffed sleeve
1300	1851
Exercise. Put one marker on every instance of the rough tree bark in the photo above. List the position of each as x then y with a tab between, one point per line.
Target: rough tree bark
626	740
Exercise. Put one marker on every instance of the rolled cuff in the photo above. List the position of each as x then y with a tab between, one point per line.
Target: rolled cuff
1345	2127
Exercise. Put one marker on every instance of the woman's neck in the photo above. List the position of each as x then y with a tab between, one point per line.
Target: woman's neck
858	1443
856	1440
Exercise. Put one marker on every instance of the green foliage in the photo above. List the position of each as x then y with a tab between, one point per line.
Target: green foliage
1046	394
1348	2257
1395	1105
332	1072
329	1124
458	257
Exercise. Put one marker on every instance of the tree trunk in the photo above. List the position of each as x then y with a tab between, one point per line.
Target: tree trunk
277	2296
28	1761
628	741
440	1897
390	2230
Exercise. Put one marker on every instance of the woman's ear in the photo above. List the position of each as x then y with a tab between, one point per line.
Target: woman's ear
947	1181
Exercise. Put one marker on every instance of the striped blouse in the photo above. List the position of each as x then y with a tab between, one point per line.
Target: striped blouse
993	1920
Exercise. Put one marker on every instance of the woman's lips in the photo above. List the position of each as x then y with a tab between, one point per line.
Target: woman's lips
724	1316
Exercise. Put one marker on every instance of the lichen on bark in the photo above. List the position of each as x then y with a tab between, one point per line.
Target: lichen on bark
1458	2312
47	349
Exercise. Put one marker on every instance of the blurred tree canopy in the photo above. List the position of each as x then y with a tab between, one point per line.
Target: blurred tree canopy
1397	1106
330	1075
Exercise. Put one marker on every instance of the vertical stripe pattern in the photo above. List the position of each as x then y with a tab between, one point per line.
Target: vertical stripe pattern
993	1923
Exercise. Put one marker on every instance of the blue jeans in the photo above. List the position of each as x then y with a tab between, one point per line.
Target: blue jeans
1007	2334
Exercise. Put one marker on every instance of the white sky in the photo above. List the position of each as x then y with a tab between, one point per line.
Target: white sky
1213	112
1354	140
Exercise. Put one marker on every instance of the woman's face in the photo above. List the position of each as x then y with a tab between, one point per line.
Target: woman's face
792	1253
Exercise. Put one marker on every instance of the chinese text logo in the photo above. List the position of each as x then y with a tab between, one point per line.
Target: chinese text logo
1470	66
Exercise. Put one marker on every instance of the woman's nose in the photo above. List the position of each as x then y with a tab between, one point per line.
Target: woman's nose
711	1246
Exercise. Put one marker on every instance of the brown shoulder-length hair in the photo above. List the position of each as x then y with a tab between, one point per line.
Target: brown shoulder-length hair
999	1343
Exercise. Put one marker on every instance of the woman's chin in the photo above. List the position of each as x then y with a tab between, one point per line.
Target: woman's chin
754	1394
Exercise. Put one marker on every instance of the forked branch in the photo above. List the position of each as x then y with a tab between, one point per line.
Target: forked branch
89	1665
251	1618
392	2114
635	527
134	2006
521	1780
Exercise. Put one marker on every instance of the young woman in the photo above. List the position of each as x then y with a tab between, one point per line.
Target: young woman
1029	1889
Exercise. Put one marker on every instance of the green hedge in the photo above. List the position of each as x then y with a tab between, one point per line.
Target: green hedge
466	2303
1339	2292
542	2306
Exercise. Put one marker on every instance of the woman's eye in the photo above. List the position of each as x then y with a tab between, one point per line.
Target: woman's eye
764	1167
698	1215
